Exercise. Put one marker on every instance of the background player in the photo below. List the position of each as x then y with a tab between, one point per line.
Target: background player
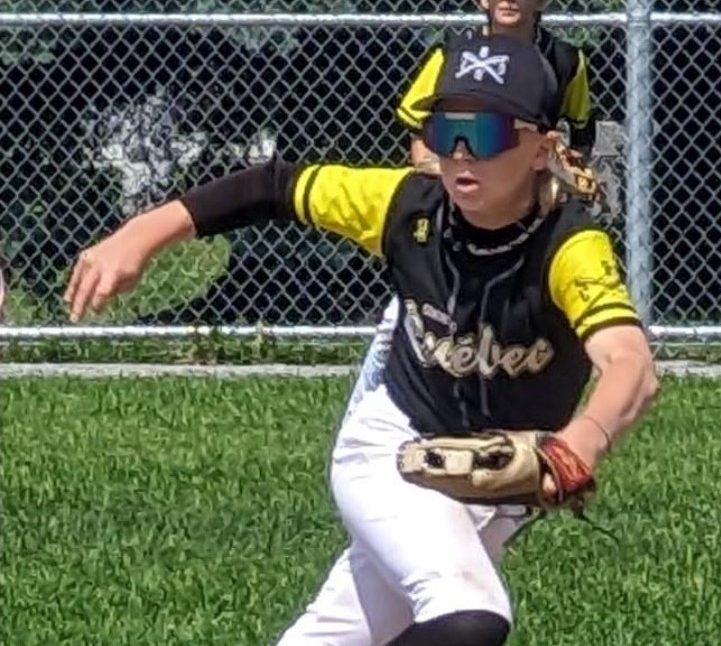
521	19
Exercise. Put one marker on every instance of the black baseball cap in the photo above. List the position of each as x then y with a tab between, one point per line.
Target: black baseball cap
497	73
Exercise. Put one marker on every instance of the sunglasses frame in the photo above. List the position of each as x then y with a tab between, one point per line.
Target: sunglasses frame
517	125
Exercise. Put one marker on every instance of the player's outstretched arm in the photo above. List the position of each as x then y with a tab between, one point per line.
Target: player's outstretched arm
242	198
352	202
116	264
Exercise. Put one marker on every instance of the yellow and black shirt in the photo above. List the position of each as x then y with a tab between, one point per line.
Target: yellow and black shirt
492	323
567	61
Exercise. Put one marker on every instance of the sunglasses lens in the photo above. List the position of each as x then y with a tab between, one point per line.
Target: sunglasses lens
484	134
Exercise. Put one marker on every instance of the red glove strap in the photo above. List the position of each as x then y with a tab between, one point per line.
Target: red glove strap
573	475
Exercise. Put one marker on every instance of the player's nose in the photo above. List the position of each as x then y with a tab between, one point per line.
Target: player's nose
461	152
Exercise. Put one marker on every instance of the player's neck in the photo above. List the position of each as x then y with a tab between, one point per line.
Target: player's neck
525	31
496	216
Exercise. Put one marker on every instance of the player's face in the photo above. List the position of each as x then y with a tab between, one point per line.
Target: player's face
491	185
512	14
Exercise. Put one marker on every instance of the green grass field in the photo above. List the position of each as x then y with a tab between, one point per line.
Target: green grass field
184	511
173	277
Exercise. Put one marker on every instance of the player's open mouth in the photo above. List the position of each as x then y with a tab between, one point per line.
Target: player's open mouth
464	184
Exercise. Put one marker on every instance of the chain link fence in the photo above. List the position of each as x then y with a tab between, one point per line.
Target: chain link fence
106	114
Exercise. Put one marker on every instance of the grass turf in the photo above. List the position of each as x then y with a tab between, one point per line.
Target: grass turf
175	276
186	511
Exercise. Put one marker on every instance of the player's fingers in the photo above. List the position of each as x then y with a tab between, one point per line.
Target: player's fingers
99	300
73	282
84	293
107	287
82	264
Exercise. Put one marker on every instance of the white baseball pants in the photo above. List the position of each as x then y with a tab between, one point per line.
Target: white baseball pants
415	554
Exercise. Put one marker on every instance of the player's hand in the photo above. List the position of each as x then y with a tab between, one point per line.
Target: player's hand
116	264
103	271
586	441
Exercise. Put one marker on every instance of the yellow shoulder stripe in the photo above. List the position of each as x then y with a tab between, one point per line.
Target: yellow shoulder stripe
352	202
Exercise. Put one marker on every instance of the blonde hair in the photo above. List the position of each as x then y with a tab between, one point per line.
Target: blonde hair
567	176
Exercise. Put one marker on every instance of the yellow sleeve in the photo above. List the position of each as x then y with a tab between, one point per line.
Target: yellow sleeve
352	202
585	284
577	99
422	86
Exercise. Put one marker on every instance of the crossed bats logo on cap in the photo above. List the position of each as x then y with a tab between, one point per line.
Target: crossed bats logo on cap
484	64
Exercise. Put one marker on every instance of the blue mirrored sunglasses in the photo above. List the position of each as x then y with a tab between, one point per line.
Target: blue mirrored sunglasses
485	134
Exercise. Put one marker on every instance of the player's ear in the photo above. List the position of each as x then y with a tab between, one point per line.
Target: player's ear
483	4
545	144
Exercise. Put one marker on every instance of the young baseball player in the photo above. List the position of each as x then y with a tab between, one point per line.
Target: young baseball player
520	19
506	301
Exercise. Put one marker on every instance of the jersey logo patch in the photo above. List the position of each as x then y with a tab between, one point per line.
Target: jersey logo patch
421	230
591	288
482	65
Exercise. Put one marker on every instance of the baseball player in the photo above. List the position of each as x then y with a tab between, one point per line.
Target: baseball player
507	298
521	19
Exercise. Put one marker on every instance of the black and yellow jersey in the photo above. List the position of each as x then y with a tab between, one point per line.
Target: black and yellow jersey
492	323
568	62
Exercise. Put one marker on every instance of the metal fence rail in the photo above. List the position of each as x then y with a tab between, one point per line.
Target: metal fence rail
104	114
283	19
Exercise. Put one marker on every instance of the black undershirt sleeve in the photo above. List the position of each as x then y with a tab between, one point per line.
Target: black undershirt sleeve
243	198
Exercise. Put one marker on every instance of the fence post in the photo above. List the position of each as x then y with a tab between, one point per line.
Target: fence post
639	125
